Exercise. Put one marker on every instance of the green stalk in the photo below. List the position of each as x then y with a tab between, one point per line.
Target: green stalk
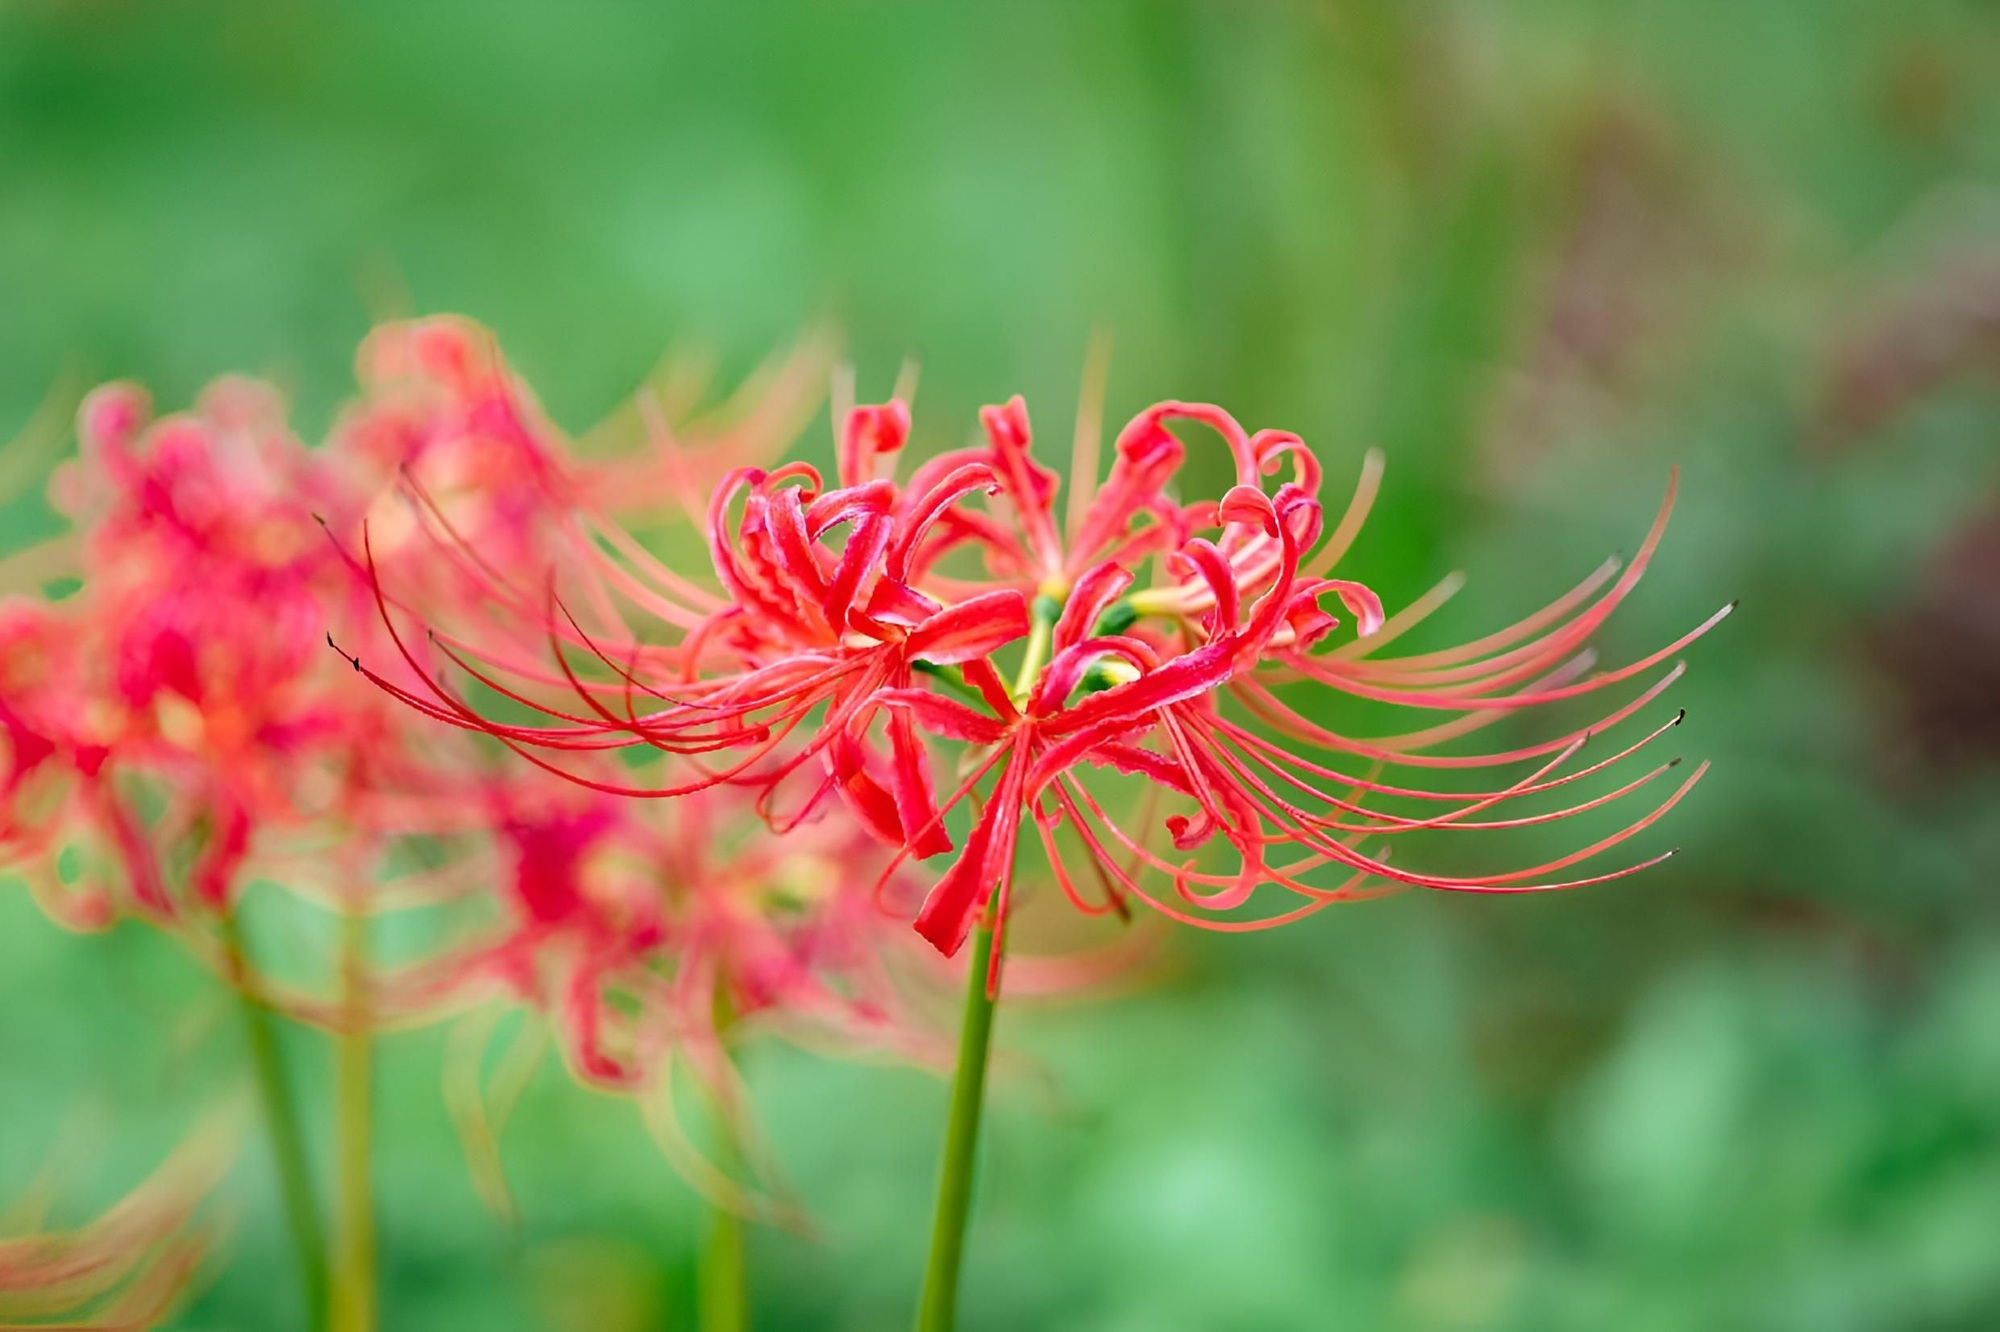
722	1299
354	1195
938	1311
721	1292
281	1121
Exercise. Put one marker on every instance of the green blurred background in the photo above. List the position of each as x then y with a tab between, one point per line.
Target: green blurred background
1537	252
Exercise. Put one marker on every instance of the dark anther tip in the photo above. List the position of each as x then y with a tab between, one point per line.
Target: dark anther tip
1680	716
1674	762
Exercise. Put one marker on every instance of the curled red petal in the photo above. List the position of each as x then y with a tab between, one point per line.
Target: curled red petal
930	505
974	628
895	602
1361	603
1066	671
1092	595
1251	507
1214	569
944	716
869	432
1190	676
1030	486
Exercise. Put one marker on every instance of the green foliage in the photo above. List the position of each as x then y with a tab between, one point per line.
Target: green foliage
1536	252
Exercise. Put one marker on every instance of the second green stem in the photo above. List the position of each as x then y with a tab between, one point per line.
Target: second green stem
281	1120
354	1193
722	1291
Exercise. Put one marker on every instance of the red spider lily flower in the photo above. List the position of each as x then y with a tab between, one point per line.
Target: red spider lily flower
1178	683
155	663
626	921
177	729
652	938
440	406
446	438
805	625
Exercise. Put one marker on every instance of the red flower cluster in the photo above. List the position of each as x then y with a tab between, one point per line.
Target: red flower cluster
177	729
849	620
179	708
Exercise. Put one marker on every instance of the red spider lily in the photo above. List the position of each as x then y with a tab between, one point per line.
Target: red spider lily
1162	683
440	405
654	937
462	462
156	675
628	921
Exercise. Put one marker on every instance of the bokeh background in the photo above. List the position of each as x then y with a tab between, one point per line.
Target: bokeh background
1536	252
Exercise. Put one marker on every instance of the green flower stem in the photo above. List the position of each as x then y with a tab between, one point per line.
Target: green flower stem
354	1300
722	1298
721	1291
939	1310
281	1121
